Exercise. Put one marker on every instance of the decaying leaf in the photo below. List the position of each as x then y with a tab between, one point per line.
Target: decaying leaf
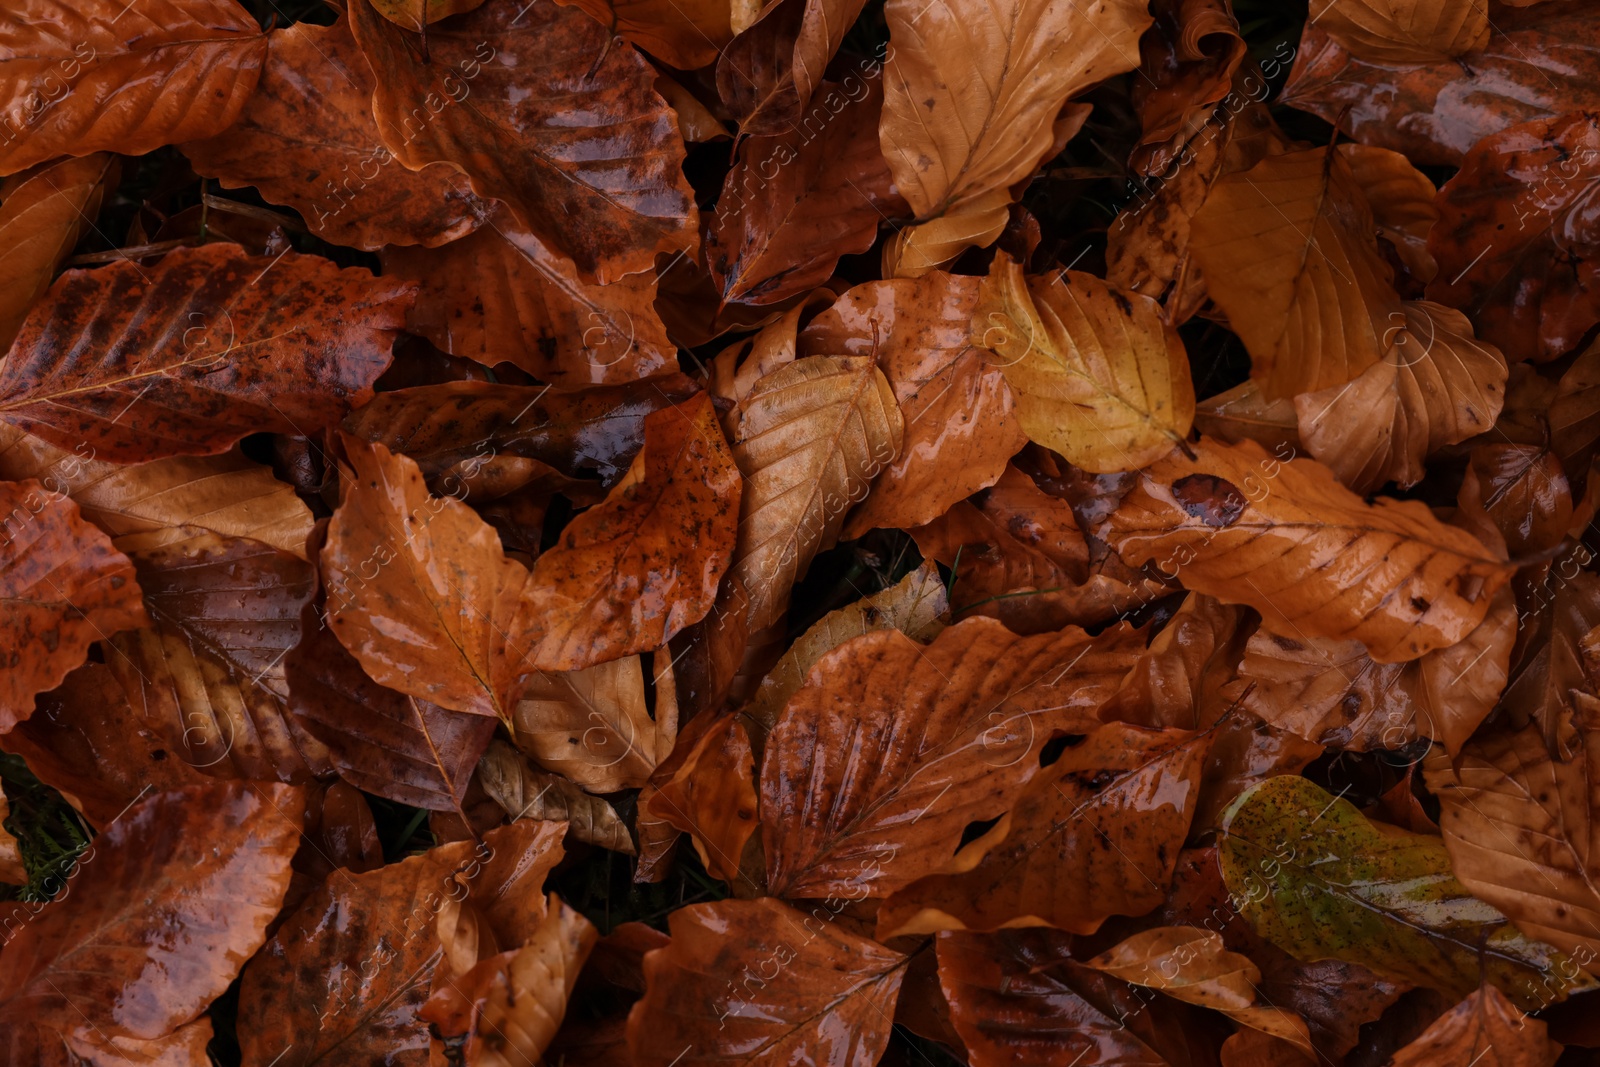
1288	252
861	804
604	187
81	78
1094	835
707	997
97	978
1487	1029
527	793
43	213
1320	881
307	139
1241	526
63	587
208	346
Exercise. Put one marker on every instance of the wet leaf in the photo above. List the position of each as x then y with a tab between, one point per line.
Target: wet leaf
226	494
707	790
810	438
960	421
1408	584
830	1002
167	905
1536	64
880	761
795	202
682	35
82	79
1319	880
1099	375
345	977
1520	830
1288	253
1095	834
1405	30
972	91
527	793
208	346
43	213
604	186
593	725
1514	240
63	587
307	139
503	294
1485	1028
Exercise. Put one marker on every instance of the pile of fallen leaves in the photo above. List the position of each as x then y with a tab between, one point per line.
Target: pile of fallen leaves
1032	532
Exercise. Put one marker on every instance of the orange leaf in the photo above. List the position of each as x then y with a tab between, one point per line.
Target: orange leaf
100	76
564	127
191	355
43	213
1094	835
63	586
1485	1030
168	903
307	139
879	763
1238	525
759	981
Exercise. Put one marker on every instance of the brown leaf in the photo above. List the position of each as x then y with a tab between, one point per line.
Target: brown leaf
191	355
1178	682
972	91
420	591
766	77
1486	1029
1521	833
797	201
85	741
414	14
12	870
307	139
683	35
593	725
1407	583
506	1010
1537	64
634	570
809	439
1405	31
878	764
707	790
1574	414
1016	997
1402	199
526	793
43	213
82	79
830	1001
916	606
605	185
1523	491
1192	965
209	674
1187	63
63	586
1434	386
1243	413
107	977
503	294
1099	375
1552	665
1095	834
383	742
960	426
1288	253
345	976
226	494
456	429
1333	693
1515	243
